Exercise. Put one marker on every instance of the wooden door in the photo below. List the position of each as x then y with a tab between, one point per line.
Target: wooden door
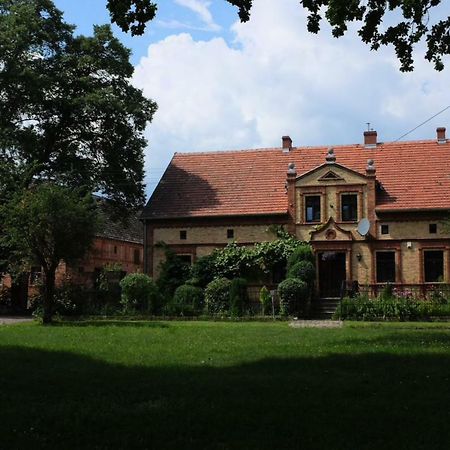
332	273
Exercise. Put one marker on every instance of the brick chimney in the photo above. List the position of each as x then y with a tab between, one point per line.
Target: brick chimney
370	139
286	143
291	176
441	135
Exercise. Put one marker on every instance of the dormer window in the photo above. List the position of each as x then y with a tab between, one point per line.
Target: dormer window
312	208
349	207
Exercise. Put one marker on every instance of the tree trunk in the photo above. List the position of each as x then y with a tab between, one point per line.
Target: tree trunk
49	294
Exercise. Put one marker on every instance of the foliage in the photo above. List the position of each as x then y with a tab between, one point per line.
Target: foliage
411	22
303	270
294	295
203	271
239	300
173	273
47	224
266	300
217	296
68	110
251	262
390	309
5	299
388	292
300	253
139	292
187	301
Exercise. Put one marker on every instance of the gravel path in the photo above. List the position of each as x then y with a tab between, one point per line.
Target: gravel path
7	320
316	324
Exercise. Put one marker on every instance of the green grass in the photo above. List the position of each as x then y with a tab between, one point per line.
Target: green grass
206	385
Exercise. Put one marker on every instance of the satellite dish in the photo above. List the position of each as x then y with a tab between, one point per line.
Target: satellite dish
363	227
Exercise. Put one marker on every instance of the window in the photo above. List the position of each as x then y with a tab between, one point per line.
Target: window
349	207
115	249
137	256
183	235
433	261
230	233
384	229
385	267
312	208
432	228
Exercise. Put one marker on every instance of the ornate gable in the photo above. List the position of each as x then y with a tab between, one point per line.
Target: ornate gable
330	231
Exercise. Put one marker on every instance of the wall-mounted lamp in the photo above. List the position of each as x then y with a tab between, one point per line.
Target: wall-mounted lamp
359	256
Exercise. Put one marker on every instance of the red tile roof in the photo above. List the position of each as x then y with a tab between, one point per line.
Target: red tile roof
414	175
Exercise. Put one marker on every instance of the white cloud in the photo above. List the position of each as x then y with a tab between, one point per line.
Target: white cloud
278	79
201	8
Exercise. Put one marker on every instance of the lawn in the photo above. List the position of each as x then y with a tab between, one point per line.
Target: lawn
206	385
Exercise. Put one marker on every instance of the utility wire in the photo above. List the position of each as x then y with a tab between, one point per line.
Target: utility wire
423	123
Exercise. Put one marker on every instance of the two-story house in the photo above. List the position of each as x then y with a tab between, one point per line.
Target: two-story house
373	212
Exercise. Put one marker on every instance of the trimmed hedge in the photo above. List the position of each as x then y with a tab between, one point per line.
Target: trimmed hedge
302	253
217	296
294	295
266	300
303	270
187	301
139	292
239	301
390	309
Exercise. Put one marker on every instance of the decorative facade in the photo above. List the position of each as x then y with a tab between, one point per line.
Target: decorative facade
373	212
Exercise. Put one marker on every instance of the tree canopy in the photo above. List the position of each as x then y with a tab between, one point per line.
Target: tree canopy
68	112
411	23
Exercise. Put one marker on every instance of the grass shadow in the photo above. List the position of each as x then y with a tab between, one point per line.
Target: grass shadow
52	399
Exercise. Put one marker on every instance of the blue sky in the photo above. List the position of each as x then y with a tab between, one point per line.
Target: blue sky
224	85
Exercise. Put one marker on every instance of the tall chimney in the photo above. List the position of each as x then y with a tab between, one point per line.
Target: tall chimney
441	135
370	139
287	143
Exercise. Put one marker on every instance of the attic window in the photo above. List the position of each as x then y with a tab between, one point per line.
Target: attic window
312	208
349	207
230	233
137	256
384	229
433	228
183	235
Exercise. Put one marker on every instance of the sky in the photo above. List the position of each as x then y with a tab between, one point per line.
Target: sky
223	85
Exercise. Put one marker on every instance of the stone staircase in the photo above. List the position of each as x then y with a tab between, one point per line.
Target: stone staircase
324	308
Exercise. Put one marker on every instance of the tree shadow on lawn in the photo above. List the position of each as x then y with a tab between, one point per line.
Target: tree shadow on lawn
108	323
365	401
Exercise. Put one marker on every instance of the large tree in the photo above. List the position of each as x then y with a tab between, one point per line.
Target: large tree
48	223
411	22
68	111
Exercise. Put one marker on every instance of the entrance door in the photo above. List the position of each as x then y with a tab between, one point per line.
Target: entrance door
331	273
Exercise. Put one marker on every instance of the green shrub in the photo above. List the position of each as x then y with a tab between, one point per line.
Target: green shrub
187	301
294	295
239	301
390	309
173	272
203	271
266	300
217	296
139	293
387	293
303	270
301	253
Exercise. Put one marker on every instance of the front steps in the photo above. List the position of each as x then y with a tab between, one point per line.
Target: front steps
324	308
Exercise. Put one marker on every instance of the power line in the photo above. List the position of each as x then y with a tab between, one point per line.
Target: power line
423	123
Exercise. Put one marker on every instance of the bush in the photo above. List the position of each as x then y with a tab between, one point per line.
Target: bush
139	293
173	273
203	271
239	301
5	299
294	295
387	293
217	296
266	300
390	309
187	301
303	270
301	253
